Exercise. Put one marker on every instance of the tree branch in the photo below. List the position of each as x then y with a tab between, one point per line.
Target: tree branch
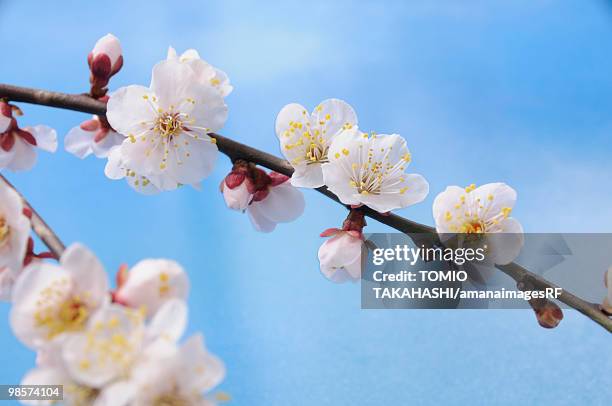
42	230
235	150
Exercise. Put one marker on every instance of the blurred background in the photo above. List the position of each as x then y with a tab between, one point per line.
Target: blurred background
517	91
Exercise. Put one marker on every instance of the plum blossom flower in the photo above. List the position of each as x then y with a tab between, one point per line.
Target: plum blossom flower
305	138
342	257
606	306
482	216
104	61
14	236
17	145
274	201
51	300
206	73
92	137
107	348
166	126
369	170
170	375
151	283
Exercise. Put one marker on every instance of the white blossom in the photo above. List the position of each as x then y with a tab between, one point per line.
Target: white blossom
342	257
166	125
305	137
369	170
91	137
170	375
206	73
18	145
151	283
482	216
51	300
280	202
106	348
14	235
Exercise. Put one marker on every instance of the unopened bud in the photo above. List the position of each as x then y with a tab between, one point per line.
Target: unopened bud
549	315
238	196
104	61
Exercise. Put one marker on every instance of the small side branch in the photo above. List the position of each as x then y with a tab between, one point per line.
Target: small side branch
42	230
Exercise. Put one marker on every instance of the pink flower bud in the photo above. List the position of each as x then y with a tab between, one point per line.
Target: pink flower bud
342	257
549	315
105	60
238	196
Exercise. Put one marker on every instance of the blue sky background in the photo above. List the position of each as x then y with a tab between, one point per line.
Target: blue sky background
516	91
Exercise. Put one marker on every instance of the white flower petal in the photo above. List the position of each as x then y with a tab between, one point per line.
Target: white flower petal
416	190
28	291
201	371
44	376
336	179
341	257
46	137
445	202
259	220
128	108
169	322
107	349
505	246
152	282
336	114
102	148
23	156
307	176
88	275
283	204
79	142
108	45
116	394
237	198
501	196
172	83
190	164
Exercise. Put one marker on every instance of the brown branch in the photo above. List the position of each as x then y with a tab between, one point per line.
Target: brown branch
42	230
235	150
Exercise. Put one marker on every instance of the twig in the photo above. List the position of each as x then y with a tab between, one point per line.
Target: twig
42	230
235	150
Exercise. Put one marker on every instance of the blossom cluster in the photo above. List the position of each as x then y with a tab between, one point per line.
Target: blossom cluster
106	346
122	346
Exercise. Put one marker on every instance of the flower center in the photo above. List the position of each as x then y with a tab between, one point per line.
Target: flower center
316	152
68	315
168	124
473	227
5	231
372	175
